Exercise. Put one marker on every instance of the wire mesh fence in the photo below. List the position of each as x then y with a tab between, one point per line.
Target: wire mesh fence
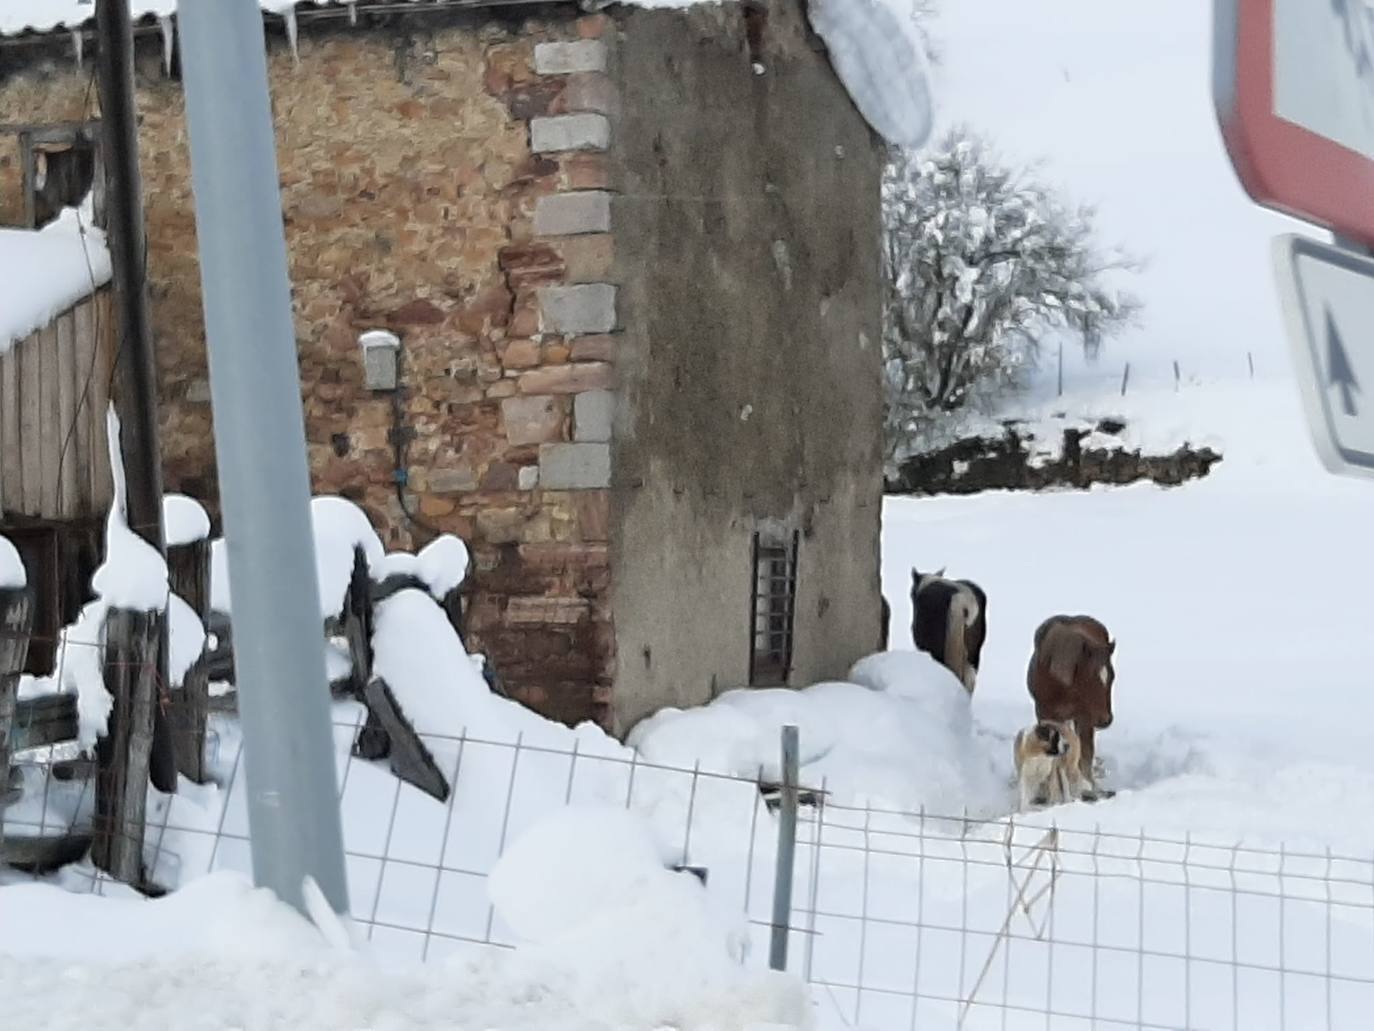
898	919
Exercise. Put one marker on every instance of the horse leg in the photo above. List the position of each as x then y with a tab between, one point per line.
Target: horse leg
1085	738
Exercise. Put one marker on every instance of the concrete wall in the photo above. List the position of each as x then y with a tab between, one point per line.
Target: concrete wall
747	233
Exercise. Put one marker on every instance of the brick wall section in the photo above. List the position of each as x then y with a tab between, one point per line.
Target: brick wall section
445	182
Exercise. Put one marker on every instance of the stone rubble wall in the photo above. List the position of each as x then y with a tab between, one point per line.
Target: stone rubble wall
445	177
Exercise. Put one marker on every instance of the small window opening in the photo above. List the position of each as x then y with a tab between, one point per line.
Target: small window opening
61	165
774	602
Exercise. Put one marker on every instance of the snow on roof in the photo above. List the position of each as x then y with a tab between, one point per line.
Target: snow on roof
12	572
48	270
18	16
879	54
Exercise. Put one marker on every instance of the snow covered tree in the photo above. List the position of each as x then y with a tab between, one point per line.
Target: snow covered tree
981	261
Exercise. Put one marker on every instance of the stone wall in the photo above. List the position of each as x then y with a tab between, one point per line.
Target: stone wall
443	176
1011	462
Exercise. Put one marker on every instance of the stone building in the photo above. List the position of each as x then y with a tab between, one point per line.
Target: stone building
631	263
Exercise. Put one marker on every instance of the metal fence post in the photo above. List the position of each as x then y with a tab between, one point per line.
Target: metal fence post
293	796
787	850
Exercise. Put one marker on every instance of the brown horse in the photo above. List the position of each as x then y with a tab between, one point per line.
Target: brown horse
1071	676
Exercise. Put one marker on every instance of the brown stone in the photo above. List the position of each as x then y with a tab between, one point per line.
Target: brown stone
532	420
452	480
593	508
501	389
546	611
419	312
589	258
500	525
567	379
592	26
520	354
534	98
525	320
591	91
435	507
599	348
530	265
587	171
501	476
556	354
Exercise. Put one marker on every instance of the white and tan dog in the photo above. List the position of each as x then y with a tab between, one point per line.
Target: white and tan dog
1047	766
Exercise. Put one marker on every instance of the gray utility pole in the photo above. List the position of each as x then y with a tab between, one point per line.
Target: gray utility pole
135	368
293	805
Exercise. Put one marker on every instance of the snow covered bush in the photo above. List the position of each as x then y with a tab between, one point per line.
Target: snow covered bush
980	261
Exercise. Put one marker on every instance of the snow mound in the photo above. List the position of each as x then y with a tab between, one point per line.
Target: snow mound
340	526
12	572
611	908
184	520
603	853
443	564
902	739
134	574
880	56
48	270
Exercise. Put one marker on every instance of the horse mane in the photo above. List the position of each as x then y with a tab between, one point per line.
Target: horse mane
1062	648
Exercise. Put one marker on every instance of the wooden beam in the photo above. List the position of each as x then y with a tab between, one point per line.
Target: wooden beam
16	618
125	753
410	759
47	720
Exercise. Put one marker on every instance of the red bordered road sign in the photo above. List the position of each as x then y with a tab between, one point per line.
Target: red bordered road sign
1293	83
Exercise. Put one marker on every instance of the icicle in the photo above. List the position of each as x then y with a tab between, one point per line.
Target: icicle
79	45
168	41
292	34
353	15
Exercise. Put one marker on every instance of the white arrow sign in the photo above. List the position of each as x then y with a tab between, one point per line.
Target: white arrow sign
1328	302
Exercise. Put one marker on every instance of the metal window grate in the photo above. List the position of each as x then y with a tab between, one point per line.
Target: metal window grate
772	607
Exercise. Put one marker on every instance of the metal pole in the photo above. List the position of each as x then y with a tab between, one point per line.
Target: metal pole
135	368
787	850
260	446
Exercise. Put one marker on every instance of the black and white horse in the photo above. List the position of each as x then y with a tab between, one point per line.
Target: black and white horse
949	623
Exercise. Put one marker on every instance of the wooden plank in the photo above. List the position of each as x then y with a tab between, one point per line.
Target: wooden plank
47	720
83	319
39	854
16	621
31	424
11	464
51	429
411	761
187	712
68	459
102	485
125	753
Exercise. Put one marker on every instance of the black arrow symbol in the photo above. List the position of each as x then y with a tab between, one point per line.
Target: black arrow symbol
1339	372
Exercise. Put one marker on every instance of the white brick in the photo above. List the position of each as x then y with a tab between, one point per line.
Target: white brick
575	310
573	214
574	466
585	55
593	412
569	132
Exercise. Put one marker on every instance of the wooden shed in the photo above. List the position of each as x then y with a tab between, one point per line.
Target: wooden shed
55	485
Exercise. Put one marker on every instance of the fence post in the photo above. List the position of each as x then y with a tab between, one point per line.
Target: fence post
124	753
16	621
188	573
787	850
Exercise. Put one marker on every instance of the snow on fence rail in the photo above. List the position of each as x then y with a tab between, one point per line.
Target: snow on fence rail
899	919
